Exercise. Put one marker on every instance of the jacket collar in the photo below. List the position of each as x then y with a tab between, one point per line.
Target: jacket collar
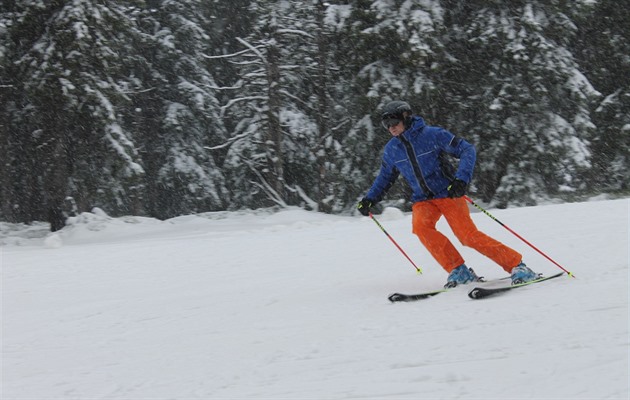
417	124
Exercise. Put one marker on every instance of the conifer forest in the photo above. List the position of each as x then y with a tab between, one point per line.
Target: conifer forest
162	108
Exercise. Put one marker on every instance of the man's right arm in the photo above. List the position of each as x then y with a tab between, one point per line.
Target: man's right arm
383	182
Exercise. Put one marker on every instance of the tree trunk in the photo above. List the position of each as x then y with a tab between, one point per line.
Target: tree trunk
274	152
321	116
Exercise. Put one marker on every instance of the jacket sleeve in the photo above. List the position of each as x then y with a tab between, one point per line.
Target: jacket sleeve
383	182
462	150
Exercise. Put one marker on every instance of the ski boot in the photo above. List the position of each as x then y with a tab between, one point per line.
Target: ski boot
460	276
521	274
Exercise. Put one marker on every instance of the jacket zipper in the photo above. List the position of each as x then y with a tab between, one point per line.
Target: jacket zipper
411	154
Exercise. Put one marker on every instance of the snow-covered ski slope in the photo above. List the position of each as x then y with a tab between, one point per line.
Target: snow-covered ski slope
293	305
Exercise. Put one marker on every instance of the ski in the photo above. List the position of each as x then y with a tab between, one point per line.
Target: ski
483	292
398	297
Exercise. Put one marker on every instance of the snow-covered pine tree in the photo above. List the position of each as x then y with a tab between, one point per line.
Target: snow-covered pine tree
314	170
282	146
527	101
602	48
67	136
254	163
389	50
114	104
7	94
176	109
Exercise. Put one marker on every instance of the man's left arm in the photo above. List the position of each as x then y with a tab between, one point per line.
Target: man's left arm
461	149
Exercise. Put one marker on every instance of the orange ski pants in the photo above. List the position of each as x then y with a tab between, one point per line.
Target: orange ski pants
426	215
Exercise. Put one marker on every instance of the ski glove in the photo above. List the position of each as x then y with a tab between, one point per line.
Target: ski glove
457	188
365	205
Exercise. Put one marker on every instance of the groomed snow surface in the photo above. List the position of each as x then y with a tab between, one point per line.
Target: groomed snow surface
293	305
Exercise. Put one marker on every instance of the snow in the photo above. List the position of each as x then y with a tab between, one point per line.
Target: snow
293	305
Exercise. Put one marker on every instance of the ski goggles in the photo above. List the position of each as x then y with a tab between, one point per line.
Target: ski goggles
389	121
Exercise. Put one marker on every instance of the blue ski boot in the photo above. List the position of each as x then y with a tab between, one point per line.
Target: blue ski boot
521	274
460	276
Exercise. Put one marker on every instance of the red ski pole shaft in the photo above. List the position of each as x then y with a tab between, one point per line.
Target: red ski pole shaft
418	269
468	199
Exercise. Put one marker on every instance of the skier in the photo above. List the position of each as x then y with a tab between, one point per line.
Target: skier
418	153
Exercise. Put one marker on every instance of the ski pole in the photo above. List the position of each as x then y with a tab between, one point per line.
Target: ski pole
468	199
419	270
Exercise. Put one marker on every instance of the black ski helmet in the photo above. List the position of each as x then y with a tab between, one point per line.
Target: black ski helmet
395	110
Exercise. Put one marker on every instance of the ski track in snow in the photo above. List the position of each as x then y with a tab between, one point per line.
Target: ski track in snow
293	305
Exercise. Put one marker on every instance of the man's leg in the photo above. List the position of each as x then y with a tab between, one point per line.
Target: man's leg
457	215
425	216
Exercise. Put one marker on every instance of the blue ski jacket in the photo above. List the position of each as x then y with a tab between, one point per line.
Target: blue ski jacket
420	155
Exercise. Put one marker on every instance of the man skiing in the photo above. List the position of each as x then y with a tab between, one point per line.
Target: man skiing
418	153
